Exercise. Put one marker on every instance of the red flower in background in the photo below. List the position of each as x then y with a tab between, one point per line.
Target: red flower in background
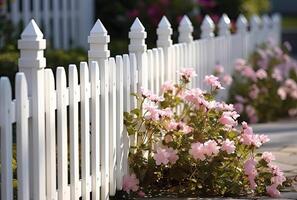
207	3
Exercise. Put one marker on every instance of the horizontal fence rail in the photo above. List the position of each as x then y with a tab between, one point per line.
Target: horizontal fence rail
70	138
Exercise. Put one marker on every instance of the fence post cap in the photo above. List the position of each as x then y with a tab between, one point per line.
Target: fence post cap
241	22
137	25
185	21
266	20
207	27
276	18
207	23
164	23
32	31
255	20
224	21
98	28
224	25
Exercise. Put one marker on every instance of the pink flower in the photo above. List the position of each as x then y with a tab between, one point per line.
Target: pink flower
152	112
130	183
172	155
141	194
168	86
211	148
219	69
273	191
251	171
228	146
161	156
254	92
240	99
165	155
213	81
185	128
172	126
292	112
228	119
168	139
261	74
167	112
250	110
197	151
187	73
248	72
288	46
239	107
277	75
150	95
239	64
268	157
227	80
282	93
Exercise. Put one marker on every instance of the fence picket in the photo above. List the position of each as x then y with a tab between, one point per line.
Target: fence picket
95	130
112	126
85	129
120	123
22	112
62	134
151	69
73	132
6	139
50	134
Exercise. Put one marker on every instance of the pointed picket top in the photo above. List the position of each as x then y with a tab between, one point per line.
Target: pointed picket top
266	21
137	25
207	27
185	21
32	31
98	28
241	22
255	21
224	21
207	23
276	18
164	23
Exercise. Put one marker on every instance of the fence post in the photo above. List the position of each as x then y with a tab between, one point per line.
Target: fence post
137	45
98	41
207	28
266	25
185	30
164	32
255	30
224	25
276	24
32	63
242	25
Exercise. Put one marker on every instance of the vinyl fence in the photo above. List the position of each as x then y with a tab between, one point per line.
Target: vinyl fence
66	23
70	137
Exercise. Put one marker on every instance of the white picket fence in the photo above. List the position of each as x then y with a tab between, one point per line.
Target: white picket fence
66	23
70	137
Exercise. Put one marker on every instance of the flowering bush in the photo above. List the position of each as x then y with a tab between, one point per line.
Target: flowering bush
188	144
265	87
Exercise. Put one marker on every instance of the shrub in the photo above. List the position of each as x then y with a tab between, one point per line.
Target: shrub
265	87
188	144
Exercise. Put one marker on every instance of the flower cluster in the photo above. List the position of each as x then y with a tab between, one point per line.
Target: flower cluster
189	144
265	86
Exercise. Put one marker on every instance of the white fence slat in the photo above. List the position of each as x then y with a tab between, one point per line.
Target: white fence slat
112	126
22	115
156	70
161	66
50	134
73	132
6	139
151	69
85	129
104	127
62	134
126	67
120	122
133	79
95	130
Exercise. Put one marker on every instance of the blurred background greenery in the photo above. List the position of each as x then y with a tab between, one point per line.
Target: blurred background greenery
118	15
